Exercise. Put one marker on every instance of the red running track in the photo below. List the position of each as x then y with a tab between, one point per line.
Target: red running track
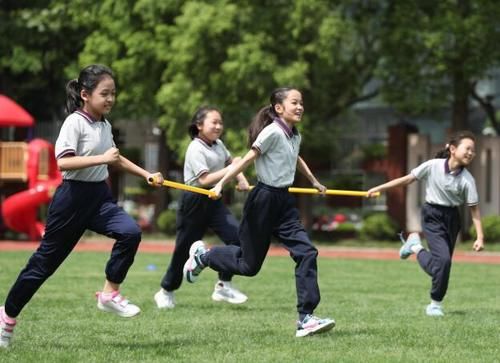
324	251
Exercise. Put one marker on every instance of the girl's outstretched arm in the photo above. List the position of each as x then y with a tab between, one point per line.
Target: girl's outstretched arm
403	181
304	169
125	164
476	220
236	169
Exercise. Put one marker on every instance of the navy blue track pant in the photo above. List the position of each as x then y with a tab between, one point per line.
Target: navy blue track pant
77	206
440	226
195	215
271	212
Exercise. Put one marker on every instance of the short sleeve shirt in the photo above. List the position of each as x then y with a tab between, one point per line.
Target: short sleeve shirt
444	187
278	146
80	135
202	158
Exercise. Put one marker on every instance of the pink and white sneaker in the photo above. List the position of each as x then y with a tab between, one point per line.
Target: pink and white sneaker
114	302
6	328
313	325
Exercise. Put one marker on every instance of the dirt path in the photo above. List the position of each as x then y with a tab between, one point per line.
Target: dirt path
324	251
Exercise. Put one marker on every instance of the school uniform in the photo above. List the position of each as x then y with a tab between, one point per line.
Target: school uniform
83	201
270	210
445	192
197	213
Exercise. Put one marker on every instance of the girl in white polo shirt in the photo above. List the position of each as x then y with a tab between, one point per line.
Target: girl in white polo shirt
207	160
448	185
84	149
270	210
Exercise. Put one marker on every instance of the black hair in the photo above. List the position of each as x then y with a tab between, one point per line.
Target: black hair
267	114
88	80
198	118
455	141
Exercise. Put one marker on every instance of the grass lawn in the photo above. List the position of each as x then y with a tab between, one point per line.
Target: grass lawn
378	306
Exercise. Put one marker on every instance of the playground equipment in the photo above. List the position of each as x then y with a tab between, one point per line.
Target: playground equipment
30	164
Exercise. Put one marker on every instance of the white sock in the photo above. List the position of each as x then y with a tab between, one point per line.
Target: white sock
417	248
436	303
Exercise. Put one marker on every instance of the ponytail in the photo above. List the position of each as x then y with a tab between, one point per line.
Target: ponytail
264	117
73	99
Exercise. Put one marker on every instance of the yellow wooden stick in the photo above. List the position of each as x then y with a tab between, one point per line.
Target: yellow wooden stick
189	188
349	193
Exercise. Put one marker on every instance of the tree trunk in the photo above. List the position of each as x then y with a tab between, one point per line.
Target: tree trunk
162	196
460	103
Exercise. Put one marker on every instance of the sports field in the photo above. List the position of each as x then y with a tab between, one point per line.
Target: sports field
378	306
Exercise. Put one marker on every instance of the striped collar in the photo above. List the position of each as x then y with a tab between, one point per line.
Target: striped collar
87	116
290	132
454	172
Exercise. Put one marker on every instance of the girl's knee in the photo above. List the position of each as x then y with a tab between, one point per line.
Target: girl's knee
248	270
132	233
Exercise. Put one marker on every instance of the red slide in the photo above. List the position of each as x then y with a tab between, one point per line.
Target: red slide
20	210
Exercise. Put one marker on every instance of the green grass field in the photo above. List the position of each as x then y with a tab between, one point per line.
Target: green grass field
378	306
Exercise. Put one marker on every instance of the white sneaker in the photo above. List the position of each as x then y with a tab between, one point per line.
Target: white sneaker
193	266
117	304
165	299
6	328
434	310
225	291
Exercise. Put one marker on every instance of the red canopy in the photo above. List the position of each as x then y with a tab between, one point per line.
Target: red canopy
11	114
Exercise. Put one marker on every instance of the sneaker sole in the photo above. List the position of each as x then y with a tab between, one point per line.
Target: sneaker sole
404	254
320	329
119	313
218	298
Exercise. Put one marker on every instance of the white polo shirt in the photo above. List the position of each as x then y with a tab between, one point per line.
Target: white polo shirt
202	158
80	135
446	188
278	146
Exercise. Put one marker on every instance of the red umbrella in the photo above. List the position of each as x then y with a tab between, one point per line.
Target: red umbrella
11	114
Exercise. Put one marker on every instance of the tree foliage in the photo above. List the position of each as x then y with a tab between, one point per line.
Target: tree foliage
435	52
172	56
39	39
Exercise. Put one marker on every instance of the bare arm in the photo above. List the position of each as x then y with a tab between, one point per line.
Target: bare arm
403	181
128	166
249	157
209	179
304	169
111	156
476	220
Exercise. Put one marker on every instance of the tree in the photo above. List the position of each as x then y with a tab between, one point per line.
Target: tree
173	56
39	40
435	53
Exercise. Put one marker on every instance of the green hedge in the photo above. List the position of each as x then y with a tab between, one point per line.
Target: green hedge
166	221
491	229
380	227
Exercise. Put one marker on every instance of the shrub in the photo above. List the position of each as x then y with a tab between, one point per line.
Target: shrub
491	229
166	221
379	227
